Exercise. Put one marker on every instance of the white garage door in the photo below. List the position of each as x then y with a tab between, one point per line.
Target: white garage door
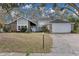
61	27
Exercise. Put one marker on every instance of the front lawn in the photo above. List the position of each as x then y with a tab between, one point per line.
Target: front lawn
24	42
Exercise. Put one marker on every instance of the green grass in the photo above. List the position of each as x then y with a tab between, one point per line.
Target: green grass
24	42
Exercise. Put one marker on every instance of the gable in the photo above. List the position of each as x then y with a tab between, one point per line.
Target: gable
22	21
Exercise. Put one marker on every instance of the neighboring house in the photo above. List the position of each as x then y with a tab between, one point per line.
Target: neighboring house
60	26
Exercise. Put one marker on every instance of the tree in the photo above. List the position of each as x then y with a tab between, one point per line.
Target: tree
70	18
75	21
1	25
75	7
68	6
9	6
42	5
41	8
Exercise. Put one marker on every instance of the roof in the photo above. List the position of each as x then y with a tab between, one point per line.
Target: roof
20	18
15	20
59	21
44	18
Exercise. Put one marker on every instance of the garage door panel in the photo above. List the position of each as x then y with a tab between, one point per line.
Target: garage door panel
61	27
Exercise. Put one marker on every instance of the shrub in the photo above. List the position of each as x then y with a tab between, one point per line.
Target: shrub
6	29
73	31
44	29
75	26
23	29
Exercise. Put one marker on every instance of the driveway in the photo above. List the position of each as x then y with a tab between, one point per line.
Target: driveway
65	44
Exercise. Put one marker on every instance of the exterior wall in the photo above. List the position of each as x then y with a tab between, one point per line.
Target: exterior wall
72	27
29	27
61	28
22	22
42	23
49	27
78	27
13	26
34	28
7	25
38	29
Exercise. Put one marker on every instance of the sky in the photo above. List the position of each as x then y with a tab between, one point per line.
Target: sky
48	7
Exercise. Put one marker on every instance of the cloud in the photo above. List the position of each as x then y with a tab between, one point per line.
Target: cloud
50	10
27	6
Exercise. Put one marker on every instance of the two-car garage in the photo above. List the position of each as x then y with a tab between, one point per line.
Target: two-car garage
60	26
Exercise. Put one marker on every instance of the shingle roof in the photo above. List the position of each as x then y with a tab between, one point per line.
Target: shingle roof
44	18
59	21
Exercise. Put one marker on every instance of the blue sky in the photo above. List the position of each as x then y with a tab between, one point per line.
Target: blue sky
48	5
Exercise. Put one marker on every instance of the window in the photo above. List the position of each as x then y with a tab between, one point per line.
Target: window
22	26
25	26
19	27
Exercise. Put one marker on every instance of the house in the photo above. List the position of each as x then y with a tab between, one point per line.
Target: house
33	25
17	20
60	26
20	23
54	26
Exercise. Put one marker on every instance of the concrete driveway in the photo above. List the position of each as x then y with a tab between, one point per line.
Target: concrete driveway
65	44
